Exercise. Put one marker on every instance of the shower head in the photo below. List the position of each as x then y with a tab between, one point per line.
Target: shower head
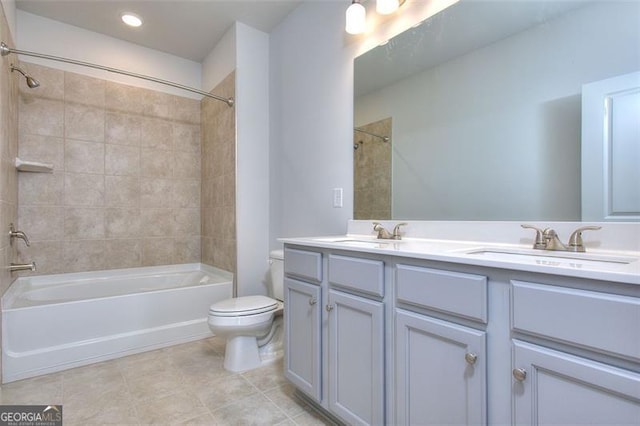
31	82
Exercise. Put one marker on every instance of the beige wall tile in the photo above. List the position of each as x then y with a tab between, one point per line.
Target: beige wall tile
187	250
41	222
186	110
122	223
44	149
122	191
186	165
186	137
84	122
156	193
83	157
40	116
84	90
84	190
156	133
157	223
123	253
187	222
158	251
186	193
156	163
123	98
122	160
51	81
84	255
157	104
41	188
48	256
83	224
122	129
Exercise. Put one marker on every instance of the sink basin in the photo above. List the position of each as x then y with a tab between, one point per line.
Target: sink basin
521	254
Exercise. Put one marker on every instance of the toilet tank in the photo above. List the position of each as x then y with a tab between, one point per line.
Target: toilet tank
276	260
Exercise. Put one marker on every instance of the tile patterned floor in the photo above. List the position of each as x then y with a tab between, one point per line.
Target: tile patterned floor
180	385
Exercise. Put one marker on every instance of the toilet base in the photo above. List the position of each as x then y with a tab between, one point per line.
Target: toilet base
242	352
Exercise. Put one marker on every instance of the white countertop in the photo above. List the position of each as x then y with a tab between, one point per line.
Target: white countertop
616	266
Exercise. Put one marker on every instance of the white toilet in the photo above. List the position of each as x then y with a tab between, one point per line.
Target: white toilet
252	325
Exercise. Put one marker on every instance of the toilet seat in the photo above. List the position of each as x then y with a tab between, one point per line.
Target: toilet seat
243	306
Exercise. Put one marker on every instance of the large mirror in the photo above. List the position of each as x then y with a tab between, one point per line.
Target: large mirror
481	108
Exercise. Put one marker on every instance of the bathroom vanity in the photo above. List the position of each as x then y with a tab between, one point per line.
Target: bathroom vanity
423	331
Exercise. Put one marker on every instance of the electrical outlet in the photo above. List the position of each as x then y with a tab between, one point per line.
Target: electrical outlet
337	197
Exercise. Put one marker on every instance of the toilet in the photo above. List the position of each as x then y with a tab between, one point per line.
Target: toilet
252	325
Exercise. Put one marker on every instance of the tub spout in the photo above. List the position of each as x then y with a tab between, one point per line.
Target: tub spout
13	267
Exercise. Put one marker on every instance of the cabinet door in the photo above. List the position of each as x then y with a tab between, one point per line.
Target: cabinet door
440	372
356	358
302	336
554	388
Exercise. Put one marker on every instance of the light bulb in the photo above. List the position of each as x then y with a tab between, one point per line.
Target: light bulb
131	19
385	7
356	17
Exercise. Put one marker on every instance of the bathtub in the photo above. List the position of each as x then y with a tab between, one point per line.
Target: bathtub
55	322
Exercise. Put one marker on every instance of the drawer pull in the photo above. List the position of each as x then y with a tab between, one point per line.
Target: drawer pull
471	358
312	301
329	308
520	374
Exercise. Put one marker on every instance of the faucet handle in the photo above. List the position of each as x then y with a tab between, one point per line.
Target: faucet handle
575	240
540	242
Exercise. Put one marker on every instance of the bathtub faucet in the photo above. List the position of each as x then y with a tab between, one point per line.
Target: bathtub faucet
17	234
13	267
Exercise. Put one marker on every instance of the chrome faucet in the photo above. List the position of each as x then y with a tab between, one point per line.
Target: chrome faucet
13	267
548	239
17	234
383	234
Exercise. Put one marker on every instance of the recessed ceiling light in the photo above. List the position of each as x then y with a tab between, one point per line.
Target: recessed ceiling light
131	19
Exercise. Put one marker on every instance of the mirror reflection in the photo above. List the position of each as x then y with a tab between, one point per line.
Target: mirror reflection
482	107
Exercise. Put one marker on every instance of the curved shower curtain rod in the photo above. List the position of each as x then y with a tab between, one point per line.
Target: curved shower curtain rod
384	138
5	50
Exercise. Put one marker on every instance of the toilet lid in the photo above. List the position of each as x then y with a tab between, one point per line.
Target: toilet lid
246	305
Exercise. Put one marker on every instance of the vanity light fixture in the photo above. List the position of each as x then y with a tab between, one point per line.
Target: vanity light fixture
131	19
386	7
356	16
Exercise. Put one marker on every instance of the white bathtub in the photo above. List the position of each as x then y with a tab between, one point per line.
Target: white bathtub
55	322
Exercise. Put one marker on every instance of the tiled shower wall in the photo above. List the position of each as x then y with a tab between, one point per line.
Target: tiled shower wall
8	150
125	189
372	171
219	179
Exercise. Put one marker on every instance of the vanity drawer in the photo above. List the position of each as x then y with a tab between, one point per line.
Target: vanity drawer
456	293
600	321
303	264
363	275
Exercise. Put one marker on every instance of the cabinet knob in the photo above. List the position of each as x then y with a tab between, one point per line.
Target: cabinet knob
312	301
520	374
329	308
471	358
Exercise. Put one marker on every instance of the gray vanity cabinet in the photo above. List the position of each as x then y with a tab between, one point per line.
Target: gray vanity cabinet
570	352
355	315
440	366
302	351
303	316
356	358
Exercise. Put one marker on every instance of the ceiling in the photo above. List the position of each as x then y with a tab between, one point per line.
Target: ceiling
186	28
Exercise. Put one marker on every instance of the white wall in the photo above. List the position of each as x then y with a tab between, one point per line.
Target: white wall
252	159
534	128
42	35
220	62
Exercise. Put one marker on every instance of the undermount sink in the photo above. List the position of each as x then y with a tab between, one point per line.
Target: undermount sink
576	257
